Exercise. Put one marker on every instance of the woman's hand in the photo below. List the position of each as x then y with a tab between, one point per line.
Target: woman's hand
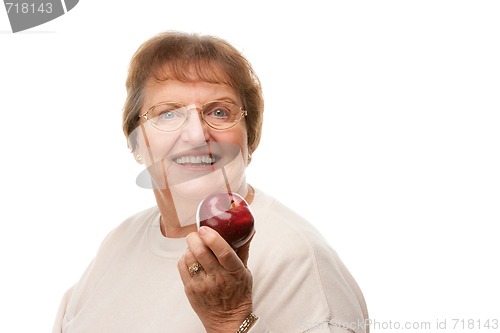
220	293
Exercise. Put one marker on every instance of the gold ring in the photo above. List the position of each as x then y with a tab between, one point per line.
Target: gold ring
195	268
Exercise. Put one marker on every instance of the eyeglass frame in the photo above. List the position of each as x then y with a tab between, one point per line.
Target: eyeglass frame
243	113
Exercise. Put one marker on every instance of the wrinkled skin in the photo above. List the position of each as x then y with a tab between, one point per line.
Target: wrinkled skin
221	293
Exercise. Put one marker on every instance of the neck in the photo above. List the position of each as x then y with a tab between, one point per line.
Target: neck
171	231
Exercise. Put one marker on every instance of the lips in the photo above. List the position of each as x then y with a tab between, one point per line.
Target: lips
196	158
188	164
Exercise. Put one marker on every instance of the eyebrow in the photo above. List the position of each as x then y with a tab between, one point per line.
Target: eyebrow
222	99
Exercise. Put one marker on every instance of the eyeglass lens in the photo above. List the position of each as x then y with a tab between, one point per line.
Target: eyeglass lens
172	116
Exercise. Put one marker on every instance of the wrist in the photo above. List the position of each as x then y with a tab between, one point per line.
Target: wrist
236	322
247	323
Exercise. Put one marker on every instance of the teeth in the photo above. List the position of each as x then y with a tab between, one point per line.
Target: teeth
204	159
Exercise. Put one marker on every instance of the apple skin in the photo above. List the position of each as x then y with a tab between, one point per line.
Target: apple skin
228	214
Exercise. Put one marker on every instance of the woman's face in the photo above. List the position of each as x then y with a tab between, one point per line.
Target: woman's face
193	157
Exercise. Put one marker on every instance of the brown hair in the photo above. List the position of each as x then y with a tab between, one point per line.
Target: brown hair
192	57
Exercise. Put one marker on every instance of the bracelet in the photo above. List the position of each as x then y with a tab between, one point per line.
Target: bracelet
247	323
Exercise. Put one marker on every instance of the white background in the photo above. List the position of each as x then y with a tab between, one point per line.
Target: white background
381	127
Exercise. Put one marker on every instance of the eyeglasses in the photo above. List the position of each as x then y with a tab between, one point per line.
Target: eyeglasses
171	116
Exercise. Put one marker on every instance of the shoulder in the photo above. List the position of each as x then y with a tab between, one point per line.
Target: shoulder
281	227
119	240
131	227
289	251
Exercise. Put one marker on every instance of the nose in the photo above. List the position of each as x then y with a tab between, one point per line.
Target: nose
195	131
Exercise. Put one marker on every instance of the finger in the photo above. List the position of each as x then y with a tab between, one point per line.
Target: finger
182	267
189	257
185	265
194	266
202	253
223	252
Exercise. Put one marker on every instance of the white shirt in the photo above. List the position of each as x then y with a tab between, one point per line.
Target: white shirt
133	284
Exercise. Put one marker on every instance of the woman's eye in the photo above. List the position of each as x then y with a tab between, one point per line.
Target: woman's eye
167	115
219	113
172	114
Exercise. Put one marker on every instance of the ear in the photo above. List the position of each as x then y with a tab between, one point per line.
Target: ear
249	157
137	156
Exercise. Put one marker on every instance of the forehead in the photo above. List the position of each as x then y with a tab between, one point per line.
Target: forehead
195	92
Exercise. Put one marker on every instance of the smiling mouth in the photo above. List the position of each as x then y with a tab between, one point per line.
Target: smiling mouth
197	160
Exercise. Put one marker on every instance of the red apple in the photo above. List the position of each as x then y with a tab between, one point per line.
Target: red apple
229	214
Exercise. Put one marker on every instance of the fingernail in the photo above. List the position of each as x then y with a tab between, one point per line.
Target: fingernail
202	231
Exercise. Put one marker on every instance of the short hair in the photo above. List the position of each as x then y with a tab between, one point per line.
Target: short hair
189	57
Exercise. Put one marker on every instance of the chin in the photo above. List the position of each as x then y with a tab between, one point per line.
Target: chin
197	189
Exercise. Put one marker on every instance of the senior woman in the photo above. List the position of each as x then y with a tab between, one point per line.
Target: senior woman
193	117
